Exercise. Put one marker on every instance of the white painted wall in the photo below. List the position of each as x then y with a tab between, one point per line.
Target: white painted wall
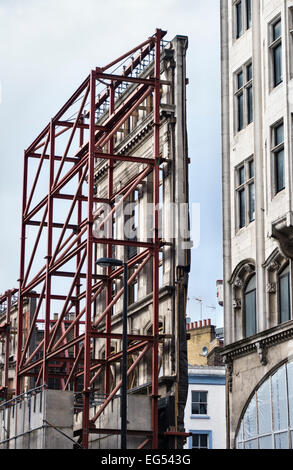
215	421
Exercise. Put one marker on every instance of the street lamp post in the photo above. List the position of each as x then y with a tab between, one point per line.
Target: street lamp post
104	263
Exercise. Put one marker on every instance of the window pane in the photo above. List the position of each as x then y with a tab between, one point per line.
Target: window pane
251	284
251	169
277	61
284	295
277	30
203	397
241	195
266	442
249	105
241	175
279	134
200	441
203	409
239	19
203	441
249	421
249	72
250	313
195	441
280	171
195	409
264	408
251	203
251	444
280	410
248	13
282	441
239	80
240	112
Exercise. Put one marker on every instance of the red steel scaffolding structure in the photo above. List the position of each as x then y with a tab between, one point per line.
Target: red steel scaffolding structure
69	174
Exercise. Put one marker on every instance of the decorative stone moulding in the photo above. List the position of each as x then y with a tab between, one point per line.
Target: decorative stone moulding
248	268
236	303
274	266
238	284
271	288
262	353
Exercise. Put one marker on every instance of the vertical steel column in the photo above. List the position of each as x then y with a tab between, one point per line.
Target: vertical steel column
123	401
89	267
77	289
109	228
155	351
7	342
49	253
21	277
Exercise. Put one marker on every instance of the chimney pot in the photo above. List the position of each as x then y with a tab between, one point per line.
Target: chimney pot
200	324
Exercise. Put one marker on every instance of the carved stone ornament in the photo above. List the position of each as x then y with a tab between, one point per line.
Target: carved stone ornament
271	288
274	266
229	368
238	283
248	268
262	353
236	303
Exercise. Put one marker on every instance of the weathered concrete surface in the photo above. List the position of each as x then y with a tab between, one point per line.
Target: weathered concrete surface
27	424
138	418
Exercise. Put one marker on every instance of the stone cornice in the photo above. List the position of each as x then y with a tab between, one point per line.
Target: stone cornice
259	343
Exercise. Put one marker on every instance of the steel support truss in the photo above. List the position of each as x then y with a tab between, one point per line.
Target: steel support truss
63	159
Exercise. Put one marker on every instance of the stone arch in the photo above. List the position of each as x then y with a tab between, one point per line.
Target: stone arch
240	278
255	424
274	265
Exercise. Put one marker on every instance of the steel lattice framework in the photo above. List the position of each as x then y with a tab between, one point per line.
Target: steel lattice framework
63	159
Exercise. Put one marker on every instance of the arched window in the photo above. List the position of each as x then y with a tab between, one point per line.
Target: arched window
284	295
250	307
267	422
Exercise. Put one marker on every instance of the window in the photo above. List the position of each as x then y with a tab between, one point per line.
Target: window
242	11
243	97
276	52
278	157
284	295
199	403
268	419
250	307
245	193
200	441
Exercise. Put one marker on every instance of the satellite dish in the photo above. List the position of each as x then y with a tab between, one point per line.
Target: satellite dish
204	351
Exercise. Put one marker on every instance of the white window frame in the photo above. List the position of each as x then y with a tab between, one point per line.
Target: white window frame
248	180
244	90
275	149
272	44
244	17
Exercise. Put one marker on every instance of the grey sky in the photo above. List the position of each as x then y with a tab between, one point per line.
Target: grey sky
47	47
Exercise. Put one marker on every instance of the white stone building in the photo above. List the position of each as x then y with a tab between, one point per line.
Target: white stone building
257	106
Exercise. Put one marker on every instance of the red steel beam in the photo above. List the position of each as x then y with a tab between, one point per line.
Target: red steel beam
86	287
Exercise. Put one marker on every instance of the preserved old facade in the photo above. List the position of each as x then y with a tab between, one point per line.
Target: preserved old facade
257	106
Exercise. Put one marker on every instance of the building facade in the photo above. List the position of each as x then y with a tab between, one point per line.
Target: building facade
205	407
257	106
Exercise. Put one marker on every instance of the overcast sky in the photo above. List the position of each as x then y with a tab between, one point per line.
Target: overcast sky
47	47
